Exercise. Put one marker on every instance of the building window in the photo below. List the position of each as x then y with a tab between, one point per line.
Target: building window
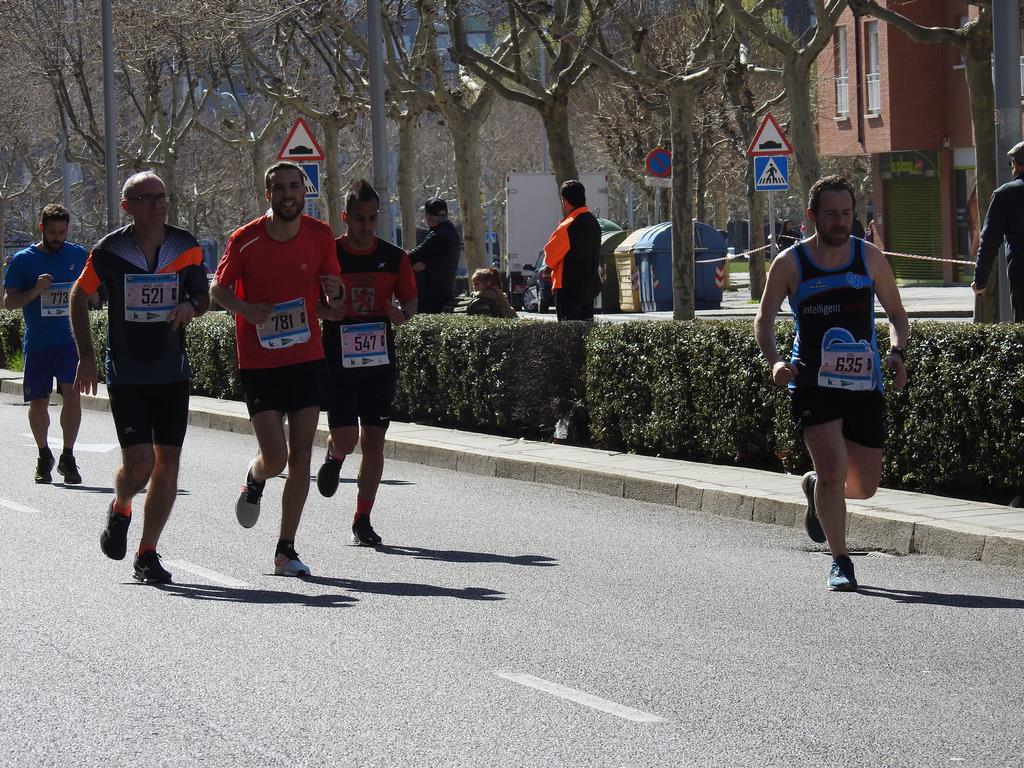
842	75
873	71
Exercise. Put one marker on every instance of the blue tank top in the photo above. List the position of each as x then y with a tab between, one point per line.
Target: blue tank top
834	311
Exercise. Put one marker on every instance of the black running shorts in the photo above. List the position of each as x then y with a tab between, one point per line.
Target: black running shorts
154	414
862	413
362	395
286	389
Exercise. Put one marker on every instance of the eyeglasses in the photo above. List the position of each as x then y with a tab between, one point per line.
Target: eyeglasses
157	199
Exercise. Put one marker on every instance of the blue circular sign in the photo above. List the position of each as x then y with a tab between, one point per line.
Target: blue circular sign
659	163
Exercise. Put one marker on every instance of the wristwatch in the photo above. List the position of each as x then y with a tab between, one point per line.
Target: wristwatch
194	302
901	351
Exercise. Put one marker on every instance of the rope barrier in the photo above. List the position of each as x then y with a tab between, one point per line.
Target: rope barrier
728	257
927	258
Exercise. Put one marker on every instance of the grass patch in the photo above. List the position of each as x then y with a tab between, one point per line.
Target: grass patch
15	362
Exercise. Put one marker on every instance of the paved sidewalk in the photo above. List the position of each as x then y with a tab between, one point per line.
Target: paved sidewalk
893	521
951	303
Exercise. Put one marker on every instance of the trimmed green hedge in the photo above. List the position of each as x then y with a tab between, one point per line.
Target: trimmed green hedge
12	331
697	390
490	374
959	425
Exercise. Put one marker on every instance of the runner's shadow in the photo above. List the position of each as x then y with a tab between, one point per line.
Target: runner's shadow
352	481
457	556
219	594
406	589
85	488
952	600
107	489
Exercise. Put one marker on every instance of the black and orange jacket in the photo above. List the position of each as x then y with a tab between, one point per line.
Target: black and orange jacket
143	353
573	253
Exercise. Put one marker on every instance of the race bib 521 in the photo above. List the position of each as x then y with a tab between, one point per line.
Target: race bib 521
149	298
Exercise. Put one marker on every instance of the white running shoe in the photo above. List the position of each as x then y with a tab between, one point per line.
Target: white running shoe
288	564
247	508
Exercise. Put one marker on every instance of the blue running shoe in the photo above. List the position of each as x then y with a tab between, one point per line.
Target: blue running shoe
840	575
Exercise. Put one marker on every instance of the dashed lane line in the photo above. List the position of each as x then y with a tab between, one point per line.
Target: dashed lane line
16	507
206	573
582	697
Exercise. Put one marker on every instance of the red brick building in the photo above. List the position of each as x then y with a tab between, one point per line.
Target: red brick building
906	105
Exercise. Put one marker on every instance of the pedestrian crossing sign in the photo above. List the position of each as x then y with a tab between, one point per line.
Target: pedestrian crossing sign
771	173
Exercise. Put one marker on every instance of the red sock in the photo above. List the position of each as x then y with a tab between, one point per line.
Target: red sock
363	506
144	548
125	511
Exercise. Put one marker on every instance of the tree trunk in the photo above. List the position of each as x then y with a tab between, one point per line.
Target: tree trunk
700	193
330	183
169	174
556	126
406	181
721	209
978	69
3	235
259	186
801	124
756	205
467	178
464	123
681	112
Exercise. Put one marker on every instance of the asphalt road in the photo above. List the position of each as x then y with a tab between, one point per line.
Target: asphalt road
504	624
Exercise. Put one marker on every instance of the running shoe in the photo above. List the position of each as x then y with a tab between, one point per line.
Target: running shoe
287	563
114	539
247	508
43	466
328	475
68	469
149	570
363	534
811	522
840	575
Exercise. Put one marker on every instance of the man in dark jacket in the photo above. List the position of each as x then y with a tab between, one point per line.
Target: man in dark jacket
573	255
436	260
1005	218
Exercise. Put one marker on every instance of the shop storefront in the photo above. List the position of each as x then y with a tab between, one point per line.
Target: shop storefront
913	215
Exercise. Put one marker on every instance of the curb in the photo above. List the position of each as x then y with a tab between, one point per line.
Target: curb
898	522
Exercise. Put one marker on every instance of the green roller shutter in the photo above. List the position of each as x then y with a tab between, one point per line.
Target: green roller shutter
913	225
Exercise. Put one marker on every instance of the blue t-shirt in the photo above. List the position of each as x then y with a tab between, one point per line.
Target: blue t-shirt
50	326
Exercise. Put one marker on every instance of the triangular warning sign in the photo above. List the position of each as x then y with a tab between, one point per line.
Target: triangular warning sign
771	175
769	139
300	144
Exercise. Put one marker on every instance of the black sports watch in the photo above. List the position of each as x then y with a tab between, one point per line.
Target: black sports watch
194	302
901	351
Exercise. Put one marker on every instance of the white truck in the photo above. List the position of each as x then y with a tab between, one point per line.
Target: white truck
532	211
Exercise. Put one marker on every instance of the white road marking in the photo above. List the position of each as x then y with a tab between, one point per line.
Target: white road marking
16	507
206	573
56	442
582	697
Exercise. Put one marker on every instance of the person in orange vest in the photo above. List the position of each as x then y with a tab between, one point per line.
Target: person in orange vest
573	253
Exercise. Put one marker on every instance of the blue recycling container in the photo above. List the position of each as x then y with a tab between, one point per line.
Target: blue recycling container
653	251
709	248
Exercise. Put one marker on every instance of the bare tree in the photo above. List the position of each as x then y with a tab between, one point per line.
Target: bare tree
544	87
306	66
679	75
747	106
974	41
240	123
797	63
